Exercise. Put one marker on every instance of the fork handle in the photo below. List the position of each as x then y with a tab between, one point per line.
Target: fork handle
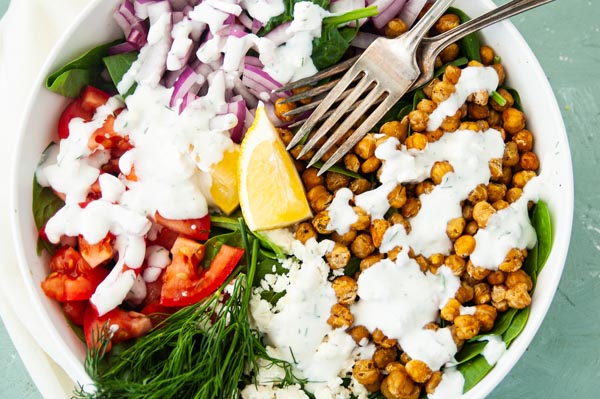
420	29
431	47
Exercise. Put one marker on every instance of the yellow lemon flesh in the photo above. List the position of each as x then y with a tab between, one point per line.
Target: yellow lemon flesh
270	189
224	187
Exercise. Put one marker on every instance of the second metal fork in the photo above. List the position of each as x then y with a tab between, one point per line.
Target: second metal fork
429	48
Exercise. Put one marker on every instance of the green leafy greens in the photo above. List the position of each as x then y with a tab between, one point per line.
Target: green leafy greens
44	205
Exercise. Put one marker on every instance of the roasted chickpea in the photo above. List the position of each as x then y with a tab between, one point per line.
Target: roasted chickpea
501	73
477	273
364	220
334	181
447	22
424	187
500	204
344	239
338	257
520	179
467	326
481	293
411	208
434	135
496	277
455	227
518	296
477	111
452	74
524	140
362	246
370	165
480	97
295	152
450	310
340	317
464	245
498	293
370	261
450	53
471	228
351	162
418	371
519	277
382	340
365	148
383	356
436	260
311	179
418	121
359	186
496	170
456	264
529	161
511	154
486	316
377	229
395	129
467	212
482	212
433	382
513	120
495	192
451	123
319	198
464	293
305	231
281	108
360	335
395	28
487	55
286	135
442	91
495	121
439	170
345	288
404	358
366	372
321	222
398	385
397	197
478	194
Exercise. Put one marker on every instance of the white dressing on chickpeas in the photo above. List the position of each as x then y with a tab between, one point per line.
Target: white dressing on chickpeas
472	80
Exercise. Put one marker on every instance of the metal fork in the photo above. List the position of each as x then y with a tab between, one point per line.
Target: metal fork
429	49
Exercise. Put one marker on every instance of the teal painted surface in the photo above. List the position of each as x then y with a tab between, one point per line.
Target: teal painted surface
564	359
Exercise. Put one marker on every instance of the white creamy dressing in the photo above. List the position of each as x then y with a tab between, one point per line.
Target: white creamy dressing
494	349
472	80
341	213
263	10
451	386
296	328
400	300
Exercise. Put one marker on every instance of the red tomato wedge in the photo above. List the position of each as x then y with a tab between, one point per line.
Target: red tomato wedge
183	285
72	278
82	107
198	229
98	253
125	325
75	311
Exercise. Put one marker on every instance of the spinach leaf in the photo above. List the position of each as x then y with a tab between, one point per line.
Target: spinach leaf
267	266
339	169
469	44
224	222
516	97
82	71
469	351
517	325
418	96
331	46
213	245
117	66
44	205
352	267
474	370
543	228
394	114
271	296
457	63
503	322
288	14
531	264
268	244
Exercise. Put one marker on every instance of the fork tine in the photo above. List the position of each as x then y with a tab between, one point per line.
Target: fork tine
315	91
373	95
371	120
325	105
313	104
334	70
338	112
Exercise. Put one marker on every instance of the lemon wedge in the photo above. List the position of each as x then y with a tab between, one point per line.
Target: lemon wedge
270	189
224	187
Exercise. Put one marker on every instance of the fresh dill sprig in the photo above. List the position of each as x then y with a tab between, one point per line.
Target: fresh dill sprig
202	351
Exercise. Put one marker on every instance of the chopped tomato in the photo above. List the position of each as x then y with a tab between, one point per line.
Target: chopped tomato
106	137
82	107
75	311
151	305
98	253
123	324
72	278
184	285
92	98
197	229
166	238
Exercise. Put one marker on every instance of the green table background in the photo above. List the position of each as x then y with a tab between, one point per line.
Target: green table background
564	359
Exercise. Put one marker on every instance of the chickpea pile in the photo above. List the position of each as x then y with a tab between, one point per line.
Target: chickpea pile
391	370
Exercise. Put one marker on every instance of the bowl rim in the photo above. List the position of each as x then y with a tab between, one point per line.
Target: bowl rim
64	355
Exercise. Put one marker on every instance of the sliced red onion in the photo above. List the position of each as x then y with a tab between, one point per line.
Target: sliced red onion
252	60
177	16
242	90
183	84
187	99
232	8
233	30
122	48
280	34
270	108
141	7
260	76
411	11
363	40
170	77
385	16
230	20
179	5
138	35
245	20
125	16
238	108
256	25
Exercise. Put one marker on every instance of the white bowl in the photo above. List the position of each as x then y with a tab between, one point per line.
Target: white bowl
95	26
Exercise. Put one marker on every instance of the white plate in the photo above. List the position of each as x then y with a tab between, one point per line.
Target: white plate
95	26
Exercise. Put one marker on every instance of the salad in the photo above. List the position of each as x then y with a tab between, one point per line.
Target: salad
198	258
